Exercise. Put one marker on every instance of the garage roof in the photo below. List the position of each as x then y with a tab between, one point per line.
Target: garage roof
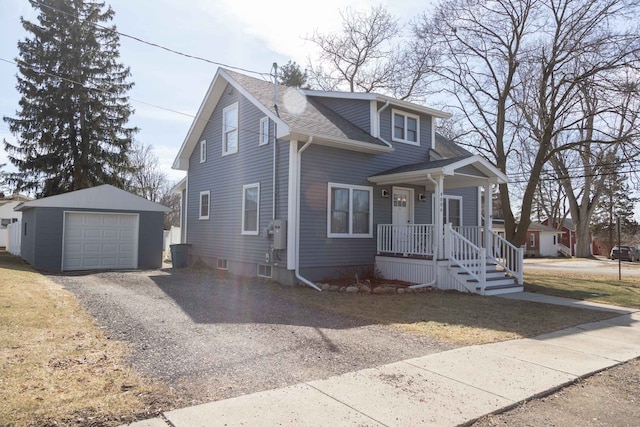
102	197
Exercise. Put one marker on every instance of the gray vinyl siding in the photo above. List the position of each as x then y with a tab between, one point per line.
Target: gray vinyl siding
357	111
322	256
224	176
42	246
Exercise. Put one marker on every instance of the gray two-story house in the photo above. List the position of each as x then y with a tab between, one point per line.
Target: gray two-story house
301	185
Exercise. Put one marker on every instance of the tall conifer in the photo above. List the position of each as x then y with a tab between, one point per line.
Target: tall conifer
71	125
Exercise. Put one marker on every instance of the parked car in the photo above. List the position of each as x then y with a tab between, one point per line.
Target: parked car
627	253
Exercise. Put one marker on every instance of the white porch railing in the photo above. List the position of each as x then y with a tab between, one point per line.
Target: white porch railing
410	239
507	255
471	233
564	250
471	258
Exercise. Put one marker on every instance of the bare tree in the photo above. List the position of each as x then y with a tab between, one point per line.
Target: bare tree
367	55
146	179
517	70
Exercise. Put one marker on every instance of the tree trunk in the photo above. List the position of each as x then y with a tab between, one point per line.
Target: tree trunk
583	241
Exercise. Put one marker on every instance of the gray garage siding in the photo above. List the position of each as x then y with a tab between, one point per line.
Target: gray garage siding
42	246
220	235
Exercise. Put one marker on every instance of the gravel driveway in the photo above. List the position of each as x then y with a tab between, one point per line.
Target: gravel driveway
214	338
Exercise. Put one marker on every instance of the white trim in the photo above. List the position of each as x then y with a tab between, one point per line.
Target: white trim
208	194
406	116
433	132
292	205
410	202
532	240
445	208
264	137
137	232
225	150
244	198
373	119
203	151
350	233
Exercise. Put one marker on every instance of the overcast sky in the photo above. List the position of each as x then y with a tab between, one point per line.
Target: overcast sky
249	34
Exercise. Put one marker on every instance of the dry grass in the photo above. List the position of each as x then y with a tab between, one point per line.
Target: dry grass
451	316
587	287
56	366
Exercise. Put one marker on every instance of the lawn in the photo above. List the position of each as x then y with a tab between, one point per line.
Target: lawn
56	366
588	287
451	316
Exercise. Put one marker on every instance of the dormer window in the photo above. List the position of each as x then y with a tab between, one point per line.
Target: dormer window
406	127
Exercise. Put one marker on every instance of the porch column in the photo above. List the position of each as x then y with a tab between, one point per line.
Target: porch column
488	217
439	219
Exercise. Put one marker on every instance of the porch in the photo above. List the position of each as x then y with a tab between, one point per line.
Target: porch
474	259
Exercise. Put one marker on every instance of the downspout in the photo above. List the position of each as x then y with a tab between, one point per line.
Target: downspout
435	255
275	106
297	269
380	133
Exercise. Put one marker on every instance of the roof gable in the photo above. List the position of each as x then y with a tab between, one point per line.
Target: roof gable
100	197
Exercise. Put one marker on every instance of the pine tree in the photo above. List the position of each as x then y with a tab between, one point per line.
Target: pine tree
291	75
616	201
71	127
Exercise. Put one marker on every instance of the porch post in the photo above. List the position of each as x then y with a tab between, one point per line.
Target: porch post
488	218
439	219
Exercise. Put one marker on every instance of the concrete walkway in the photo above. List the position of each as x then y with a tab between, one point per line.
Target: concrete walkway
443	389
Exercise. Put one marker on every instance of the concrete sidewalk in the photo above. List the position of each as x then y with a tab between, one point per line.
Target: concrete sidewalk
443	389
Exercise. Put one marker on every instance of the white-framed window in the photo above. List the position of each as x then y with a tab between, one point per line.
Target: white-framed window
222	264
349	210
204	205
532	240
250	209
451	210
230	129
405	127
203	151
264	131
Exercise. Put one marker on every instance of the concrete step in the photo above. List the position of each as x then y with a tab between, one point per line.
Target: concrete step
504	289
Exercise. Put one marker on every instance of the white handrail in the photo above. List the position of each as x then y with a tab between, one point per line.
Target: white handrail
507	255
466	255
410	239
564	250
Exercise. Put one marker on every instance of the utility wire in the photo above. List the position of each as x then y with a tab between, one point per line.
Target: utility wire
31	67
159	46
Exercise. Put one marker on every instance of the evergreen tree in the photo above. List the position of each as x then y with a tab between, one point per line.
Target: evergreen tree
616	201
291	75
71	127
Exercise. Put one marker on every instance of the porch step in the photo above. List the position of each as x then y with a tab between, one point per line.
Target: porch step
502	289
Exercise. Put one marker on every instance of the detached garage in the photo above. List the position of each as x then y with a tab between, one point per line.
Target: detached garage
99	228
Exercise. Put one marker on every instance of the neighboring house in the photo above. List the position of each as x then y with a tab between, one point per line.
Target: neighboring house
567	244
541	240
7	216
92	229
313	185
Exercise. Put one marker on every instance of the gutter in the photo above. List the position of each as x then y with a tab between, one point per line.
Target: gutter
435	255
384	107
297	260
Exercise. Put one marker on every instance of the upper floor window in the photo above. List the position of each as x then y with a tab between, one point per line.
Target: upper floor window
406	127
230	129
250	208
349	211
203	151
264	131
204	205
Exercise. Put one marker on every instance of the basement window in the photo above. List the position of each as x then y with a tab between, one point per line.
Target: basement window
265	271
222	264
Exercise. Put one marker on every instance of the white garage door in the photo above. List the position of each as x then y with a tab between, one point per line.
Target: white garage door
94	241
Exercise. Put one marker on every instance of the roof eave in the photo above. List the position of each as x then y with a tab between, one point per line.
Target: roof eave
342	143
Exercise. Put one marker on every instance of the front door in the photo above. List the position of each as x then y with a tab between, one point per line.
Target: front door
402	217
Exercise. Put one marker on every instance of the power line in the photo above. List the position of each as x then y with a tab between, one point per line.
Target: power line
159	46
31	67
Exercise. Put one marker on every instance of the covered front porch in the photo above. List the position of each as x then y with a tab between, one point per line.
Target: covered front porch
447	254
